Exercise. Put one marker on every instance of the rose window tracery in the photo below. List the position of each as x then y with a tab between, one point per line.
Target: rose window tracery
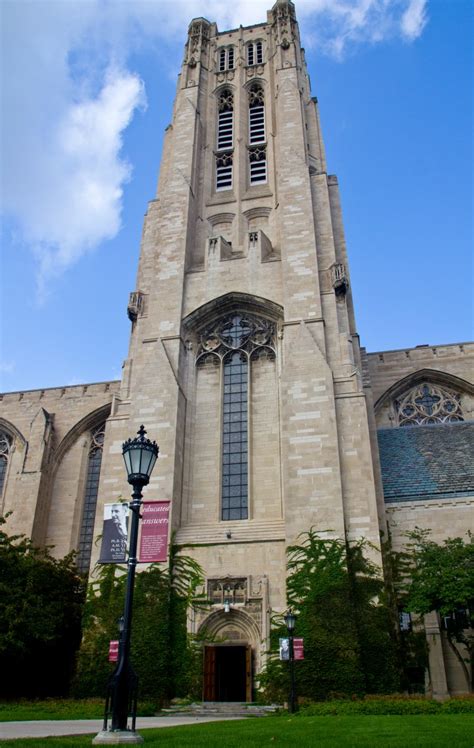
427	404
239	331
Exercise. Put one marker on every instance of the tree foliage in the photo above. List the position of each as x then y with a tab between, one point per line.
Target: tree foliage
40	613
338	596
161	651
440	577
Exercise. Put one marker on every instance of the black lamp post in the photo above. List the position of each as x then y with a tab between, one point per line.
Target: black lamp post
140	455
290	620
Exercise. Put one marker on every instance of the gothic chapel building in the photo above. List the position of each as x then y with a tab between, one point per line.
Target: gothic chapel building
245	366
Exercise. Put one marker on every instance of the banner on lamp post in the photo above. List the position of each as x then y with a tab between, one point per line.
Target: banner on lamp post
298	649
113	547
113	650
154	532
284	648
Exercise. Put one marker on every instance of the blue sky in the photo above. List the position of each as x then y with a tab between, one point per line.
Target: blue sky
87	90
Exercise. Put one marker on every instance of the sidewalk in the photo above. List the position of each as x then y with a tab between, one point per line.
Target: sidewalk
48	728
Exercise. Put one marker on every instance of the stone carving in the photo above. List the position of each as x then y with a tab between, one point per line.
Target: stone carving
136	304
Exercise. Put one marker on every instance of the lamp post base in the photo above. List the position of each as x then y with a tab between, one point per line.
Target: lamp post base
117	737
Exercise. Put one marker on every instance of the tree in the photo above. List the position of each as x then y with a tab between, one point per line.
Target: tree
40	615
338	596
440	577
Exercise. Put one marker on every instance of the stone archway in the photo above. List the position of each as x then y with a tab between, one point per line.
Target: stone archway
231	656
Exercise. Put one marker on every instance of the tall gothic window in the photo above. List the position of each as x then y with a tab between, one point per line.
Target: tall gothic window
255	53
90	499
225	60
233	343
225	140
428	403
5	449
257	137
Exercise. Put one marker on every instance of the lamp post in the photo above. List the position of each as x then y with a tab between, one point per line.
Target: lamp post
140	455
290	620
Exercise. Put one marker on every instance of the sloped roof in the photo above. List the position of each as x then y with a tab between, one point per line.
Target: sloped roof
427	462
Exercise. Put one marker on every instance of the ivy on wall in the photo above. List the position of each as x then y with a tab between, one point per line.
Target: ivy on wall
162	654
350	647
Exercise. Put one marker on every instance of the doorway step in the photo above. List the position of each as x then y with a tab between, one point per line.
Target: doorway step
223	709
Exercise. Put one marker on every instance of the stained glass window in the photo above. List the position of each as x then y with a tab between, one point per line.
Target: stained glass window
5	447
235	342
90	499
234	438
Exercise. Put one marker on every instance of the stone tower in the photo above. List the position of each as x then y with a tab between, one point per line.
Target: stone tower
245	366
244	360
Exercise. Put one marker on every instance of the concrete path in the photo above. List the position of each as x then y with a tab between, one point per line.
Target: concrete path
47	728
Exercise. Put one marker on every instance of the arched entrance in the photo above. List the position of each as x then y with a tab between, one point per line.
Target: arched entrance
230	656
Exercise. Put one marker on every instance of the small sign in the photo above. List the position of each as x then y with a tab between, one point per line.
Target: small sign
154	532
298	649
113	651
284	649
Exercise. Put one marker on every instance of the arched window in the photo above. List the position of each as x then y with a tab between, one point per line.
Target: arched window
225	59
90	498
255	53
428	403
234	343
257	137
225	140
5	449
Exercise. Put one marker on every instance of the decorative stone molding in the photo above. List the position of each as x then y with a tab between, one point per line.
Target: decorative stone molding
339	278
259	241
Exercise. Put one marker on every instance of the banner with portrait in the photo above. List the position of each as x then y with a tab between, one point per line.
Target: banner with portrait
113	548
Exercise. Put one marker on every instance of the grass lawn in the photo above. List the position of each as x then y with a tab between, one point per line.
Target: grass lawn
13	711
19	711
414	731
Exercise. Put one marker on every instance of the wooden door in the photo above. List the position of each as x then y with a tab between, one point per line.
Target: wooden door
209	674
248	673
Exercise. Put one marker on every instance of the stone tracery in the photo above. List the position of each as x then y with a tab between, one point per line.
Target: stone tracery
238	331
428	403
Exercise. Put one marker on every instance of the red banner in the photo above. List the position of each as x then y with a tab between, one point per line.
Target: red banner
298	649
113	651
154	532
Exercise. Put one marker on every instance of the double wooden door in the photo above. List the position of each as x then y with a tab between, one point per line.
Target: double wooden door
227	673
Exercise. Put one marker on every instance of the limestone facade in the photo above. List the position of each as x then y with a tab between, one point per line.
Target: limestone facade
253	274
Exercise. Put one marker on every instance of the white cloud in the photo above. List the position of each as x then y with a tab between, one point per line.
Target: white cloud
7	367
85	190
414	19
68	96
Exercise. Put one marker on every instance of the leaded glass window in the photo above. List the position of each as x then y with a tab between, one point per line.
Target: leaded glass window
5	449
90	499
234	342
235	438
428	404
